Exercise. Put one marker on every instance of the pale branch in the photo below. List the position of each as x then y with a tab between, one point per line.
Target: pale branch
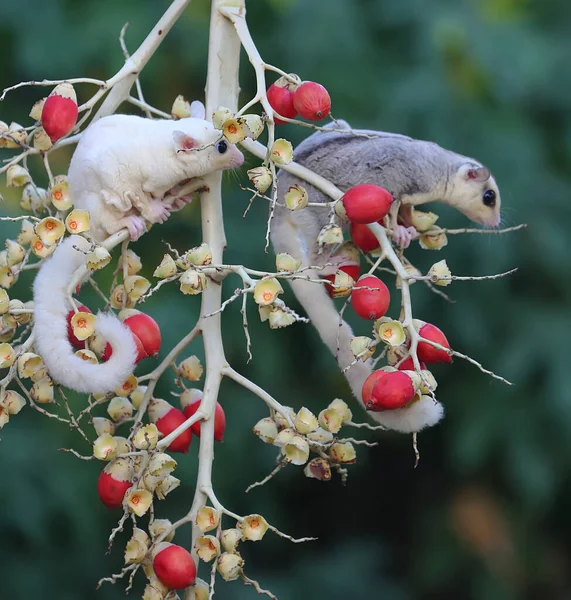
268	477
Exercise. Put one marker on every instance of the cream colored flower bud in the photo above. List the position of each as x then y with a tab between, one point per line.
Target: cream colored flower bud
296	197
97	344
199	255
434	241
83	325
160	526
330	420
253	528
343	452
50	230
280	317
220	116
180	108
105	447
36	111
264	312
281	421
395	354
342	408
17	176
230	539
123	445
39	374
4	416
65	90
305	421
153	591
266	291
166	485
138	501
229	566
103	426
136	286
235	130
78	221
320	436
415	377
260	178
146	437
99	258
87	356
266	430
330	234
284	436
120	409
134	263
255	124
286	262
7	277
14	137
15	316
296	451
318	468
342	285
137	395
33	199
190	368
4	301
137	547
207	519
7	356
389	331
13	402
207	547
161	465
281	152
362	347
201	589
340	211
41	140
167	268
428	382
15	253
27	233
440	274
413	273
422	221
59	193
192	282
119	296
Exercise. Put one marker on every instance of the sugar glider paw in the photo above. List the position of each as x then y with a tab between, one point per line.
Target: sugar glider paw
159	211
136	227
403	236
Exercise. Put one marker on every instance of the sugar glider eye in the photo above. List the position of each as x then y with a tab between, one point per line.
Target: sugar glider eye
489	198
222	147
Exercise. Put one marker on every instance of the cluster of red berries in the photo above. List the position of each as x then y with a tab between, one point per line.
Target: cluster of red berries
309	99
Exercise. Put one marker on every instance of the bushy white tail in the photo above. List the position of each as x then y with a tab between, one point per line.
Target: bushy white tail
51	307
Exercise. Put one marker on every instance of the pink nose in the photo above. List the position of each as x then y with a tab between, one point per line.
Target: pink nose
237	159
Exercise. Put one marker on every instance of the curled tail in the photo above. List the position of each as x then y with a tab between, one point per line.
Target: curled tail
51	306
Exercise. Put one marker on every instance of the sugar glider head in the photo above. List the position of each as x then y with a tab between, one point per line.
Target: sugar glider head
476	194
202	149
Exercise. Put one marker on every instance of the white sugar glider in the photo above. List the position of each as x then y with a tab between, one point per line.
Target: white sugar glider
120	172
414	172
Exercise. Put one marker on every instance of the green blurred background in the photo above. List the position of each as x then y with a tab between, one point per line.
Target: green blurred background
485	515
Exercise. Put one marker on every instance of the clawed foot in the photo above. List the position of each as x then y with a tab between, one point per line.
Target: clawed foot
181	202
403	236
136	227
158	211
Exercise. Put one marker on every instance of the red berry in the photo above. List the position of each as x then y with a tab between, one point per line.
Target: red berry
281	100
59	116
351	270
392	391
167	424
312	101
370	384
363	237
408	365
79	344
367	203
141	353
146	329
111	491
219	420
427	352
174	567
370	303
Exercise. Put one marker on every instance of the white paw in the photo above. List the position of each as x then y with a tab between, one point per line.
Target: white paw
403	236
136	227
159	211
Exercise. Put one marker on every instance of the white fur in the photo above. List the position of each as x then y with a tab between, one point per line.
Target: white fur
51	307
426	412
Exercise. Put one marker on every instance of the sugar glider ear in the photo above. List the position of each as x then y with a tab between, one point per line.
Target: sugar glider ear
479	174
183	141
197	110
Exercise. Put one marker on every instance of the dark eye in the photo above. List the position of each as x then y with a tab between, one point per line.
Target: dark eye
489	198
222	147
